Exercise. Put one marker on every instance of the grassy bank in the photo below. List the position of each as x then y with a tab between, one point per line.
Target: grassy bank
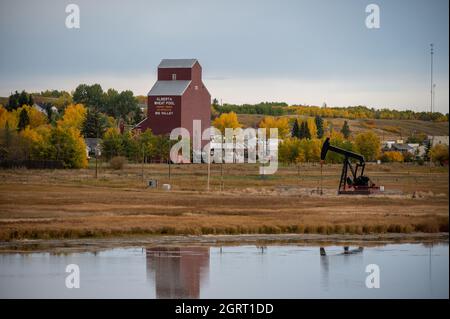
65	231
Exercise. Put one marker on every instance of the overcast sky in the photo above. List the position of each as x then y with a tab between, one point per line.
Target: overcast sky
299	51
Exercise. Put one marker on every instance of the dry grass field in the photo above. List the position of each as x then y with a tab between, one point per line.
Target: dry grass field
73	204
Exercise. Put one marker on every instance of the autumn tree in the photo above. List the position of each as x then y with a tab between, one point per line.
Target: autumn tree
130	145
74	116
439	154
294	150
112	144
289	150
337	139
226	120
35	142
147	145
392	156
346	130
9	142
312	127
67	145
36	117
282	124
368	144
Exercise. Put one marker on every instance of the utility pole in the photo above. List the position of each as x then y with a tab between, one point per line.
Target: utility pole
209	169
96	165
170	173
431	78
221	176
142	166
97	150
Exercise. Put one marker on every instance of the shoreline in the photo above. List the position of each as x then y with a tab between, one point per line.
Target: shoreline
91	245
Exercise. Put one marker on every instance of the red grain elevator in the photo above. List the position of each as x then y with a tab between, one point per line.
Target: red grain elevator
178	97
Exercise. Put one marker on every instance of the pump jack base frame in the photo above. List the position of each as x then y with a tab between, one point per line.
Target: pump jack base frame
360	191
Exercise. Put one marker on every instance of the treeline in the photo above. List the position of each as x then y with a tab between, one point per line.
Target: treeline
17	99
350	112
363	112
264	108
123	106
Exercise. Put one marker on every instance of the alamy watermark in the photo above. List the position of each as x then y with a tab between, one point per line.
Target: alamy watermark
235	146
373	279
73	17
73	278
373	19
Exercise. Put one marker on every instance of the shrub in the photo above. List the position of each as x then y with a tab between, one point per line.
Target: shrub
439	154
117	162
391	156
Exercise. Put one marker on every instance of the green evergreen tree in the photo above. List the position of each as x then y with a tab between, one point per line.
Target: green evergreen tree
346	130
295	129
24	120
307	131
319	125
13	101
94	125
427	150
301	131
23	99
138	116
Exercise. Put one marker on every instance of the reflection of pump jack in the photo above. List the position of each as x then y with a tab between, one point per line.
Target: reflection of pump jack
263	248
347	251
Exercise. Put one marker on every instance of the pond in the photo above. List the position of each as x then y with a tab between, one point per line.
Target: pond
278	271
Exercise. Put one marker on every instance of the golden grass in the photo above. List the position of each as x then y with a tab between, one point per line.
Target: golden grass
73	204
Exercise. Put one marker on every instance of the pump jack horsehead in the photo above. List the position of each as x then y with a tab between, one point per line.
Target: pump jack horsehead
354	183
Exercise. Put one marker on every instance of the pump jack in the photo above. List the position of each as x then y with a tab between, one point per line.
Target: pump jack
356	183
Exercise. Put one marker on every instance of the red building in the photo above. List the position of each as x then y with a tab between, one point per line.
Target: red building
178	97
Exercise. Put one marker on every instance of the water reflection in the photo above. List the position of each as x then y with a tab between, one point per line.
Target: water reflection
254	271
336	260
177	271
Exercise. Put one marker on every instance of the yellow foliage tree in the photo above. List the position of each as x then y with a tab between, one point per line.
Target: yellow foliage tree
439	154
294	150
226	120
67	145
36	117
12	118
74	117
392	156
35	141
310	150
368	144
312	127
282	124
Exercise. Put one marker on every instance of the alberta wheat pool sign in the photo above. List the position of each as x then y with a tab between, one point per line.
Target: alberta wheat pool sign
164	105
